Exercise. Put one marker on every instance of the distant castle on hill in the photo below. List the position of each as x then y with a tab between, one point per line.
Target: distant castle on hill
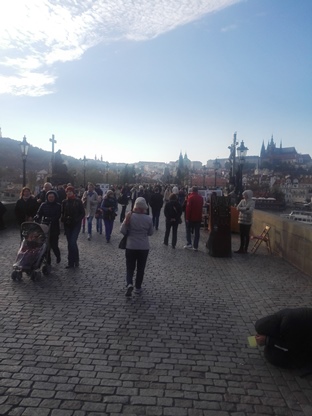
276	155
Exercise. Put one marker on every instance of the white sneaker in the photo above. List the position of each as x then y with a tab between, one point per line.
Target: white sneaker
195	249
129	290
188	246
89	237
138	291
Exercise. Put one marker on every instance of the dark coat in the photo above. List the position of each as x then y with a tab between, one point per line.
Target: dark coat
290	329
173	211
25	209
73	212
52	212
109	208
156	201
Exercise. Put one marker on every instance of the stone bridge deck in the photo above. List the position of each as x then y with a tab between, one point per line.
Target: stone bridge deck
72	344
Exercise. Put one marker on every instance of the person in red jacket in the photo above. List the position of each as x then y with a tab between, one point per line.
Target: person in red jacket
193	218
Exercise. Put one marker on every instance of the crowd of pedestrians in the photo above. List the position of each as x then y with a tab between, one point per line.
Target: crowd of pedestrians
75	211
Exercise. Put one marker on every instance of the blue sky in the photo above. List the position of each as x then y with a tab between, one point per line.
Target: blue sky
143	80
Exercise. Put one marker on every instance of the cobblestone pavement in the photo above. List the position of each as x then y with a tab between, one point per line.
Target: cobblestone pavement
72	344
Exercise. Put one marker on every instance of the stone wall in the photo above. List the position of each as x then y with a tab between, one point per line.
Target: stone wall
290	240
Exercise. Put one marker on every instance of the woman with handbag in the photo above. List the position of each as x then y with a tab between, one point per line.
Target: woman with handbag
109	208
138	227
173	212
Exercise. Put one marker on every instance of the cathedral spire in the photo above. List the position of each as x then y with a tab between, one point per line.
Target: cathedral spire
262	151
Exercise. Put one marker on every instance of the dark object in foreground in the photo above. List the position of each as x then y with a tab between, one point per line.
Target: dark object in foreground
287	338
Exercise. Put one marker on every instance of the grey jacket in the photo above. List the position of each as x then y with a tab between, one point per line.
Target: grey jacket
139	229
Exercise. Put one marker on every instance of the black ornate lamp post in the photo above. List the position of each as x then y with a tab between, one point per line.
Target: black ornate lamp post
232	160
216	168
241	154
24	149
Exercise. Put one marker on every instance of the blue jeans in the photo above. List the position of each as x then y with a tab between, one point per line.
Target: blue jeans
138	259
109	224
72	234
90	219
99	225
193	225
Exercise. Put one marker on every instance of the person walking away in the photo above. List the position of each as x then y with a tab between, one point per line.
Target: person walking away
156	203
123	201
173	212
109	208
61	193
98	213
72	214
90	203
167	194
245	208
134	195
181	196
138	226
193	218
49	212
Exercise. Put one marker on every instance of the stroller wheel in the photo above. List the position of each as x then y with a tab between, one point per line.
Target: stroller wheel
46	269
16	275
35	275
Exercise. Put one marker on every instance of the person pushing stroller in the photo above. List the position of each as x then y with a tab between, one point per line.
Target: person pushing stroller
49	213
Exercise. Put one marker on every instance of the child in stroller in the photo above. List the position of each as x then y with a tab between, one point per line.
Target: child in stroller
32	252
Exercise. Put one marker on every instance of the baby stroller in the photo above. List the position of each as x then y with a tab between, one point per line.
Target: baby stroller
33	251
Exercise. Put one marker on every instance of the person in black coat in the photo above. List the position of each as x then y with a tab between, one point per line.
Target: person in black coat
156	203
72	214
109	208
173	212
49	212
26	207
286	337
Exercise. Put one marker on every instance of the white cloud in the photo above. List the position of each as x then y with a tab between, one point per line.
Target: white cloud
35	35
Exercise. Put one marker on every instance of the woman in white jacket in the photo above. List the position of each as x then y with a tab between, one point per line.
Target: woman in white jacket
90	203
245	208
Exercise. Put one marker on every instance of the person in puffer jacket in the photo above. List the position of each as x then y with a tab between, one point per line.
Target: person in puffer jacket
287	337
245	208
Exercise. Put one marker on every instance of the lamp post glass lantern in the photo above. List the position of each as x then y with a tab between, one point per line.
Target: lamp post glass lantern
24	150
216	168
